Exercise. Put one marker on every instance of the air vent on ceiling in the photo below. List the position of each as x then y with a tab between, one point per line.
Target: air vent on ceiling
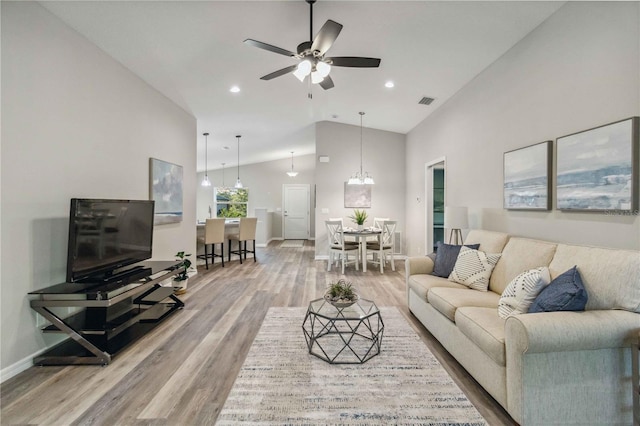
426	101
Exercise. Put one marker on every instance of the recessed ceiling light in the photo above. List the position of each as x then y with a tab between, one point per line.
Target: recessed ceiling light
389	84
234	89
225	147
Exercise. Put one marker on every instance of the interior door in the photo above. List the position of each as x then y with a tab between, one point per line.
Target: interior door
295	216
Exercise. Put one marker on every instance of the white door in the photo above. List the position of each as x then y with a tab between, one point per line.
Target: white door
295	211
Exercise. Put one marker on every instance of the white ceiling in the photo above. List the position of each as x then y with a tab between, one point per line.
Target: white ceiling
193	52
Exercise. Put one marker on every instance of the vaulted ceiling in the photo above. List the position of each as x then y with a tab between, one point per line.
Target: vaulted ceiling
193	53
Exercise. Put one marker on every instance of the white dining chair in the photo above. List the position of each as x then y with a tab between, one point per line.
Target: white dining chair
385	245
213	234
338	247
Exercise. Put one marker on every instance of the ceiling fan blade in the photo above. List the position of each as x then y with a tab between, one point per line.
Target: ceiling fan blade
326	36
269	47
278	73
354	61
327	83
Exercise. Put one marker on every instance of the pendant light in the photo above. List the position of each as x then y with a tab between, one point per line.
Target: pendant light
292	173
205	181
238	183
360	178
223	174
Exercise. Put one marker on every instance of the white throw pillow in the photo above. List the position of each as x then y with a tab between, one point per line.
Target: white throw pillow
473	268
522	291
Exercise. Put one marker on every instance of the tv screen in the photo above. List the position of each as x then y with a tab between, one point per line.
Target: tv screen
105	235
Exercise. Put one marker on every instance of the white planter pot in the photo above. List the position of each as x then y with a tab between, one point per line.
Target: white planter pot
180	287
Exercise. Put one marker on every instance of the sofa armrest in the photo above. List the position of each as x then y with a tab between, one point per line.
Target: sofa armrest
569	359
418	265
570	331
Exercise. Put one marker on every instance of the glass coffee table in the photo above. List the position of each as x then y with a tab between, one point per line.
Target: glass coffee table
349	335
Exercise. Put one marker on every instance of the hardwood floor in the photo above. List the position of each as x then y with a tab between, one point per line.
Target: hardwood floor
181	373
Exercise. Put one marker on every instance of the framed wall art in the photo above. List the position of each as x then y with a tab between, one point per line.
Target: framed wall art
527	177
597	169
357	196
165	188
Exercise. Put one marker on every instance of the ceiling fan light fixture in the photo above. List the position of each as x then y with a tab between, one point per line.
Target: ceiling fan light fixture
316	77
303	70
323	68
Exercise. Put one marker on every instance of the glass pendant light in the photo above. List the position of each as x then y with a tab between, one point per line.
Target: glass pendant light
238	182
292	173
361	178
205	181
223	173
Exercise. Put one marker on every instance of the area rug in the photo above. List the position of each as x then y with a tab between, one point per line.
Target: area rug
292	244
281	383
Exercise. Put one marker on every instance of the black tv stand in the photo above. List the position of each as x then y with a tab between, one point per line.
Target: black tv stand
116	313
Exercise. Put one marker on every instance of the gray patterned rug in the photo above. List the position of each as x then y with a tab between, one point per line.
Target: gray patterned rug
292	244
281	383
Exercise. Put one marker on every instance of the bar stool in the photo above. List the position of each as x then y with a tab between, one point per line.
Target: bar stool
213	234
246	231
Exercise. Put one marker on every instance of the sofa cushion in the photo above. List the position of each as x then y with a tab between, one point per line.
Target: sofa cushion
447	300
485	328
611	276
473	268
522	291
490	242
520	254
565	293
446	257
421	283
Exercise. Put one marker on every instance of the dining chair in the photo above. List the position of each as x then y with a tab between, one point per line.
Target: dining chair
384	245
246	232
337	245
377	222
213	234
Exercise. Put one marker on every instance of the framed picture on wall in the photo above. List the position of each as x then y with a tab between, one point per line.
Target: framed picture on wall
527	177
165	188
357	196
597	169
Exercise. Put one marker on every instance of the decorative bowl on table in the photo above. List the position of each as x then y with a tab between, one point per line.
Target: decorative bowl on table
341	294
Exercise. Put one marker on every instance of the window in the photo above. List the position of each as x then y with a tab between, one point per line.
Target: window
231	202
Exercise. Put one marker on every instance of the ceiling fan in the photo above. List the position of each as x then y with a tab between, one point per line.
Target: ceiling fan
311	55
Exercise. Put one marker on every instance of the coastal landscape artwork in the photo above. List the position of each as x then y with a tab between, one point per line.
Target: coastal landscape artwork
597	169
527	182
166	190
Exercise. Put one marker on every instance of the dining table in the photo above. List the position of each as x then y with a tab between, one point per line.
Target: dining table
361	236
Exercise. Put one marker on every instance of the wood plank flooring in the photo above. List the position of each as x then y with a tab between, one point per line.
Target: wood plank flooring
182	372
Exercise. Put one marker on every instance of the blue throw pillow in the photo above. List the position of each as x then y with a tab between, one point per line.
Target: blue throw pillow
446	256
565	293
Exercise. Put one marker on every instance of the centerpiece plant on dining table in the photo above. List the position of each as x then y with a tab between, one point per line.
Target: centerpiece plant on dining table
359	217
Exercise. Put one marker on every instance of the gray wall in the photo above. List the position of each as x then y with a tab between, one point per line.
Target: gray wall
264	181
383	157
75	123
578	70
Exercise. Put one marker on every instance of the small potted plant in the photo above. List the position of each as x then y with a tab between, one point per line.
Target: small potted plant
359	217
180	281
341	294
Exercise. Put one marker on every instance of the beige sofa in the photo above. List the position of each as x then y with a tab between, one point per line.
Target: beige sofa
552	368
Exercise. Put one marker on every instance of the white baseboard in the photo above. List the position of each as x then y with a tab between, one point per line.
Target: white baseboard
20	366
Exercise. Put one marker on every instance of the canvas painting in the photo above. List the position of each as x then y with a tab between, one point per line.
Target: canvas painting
597	169
166	191
527	182
357	196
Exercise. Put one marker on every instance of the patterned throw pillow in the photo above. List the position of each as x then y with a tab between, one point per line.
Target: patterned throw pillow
522	291
446	257
565	293
473	268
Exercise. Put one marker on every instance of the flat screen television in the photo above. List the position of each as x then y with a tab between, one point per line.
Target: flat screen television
107	235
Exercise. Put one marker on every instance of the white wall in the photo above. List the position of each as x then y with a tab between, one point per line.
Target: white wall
383	158
264	181
578	70
75	124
